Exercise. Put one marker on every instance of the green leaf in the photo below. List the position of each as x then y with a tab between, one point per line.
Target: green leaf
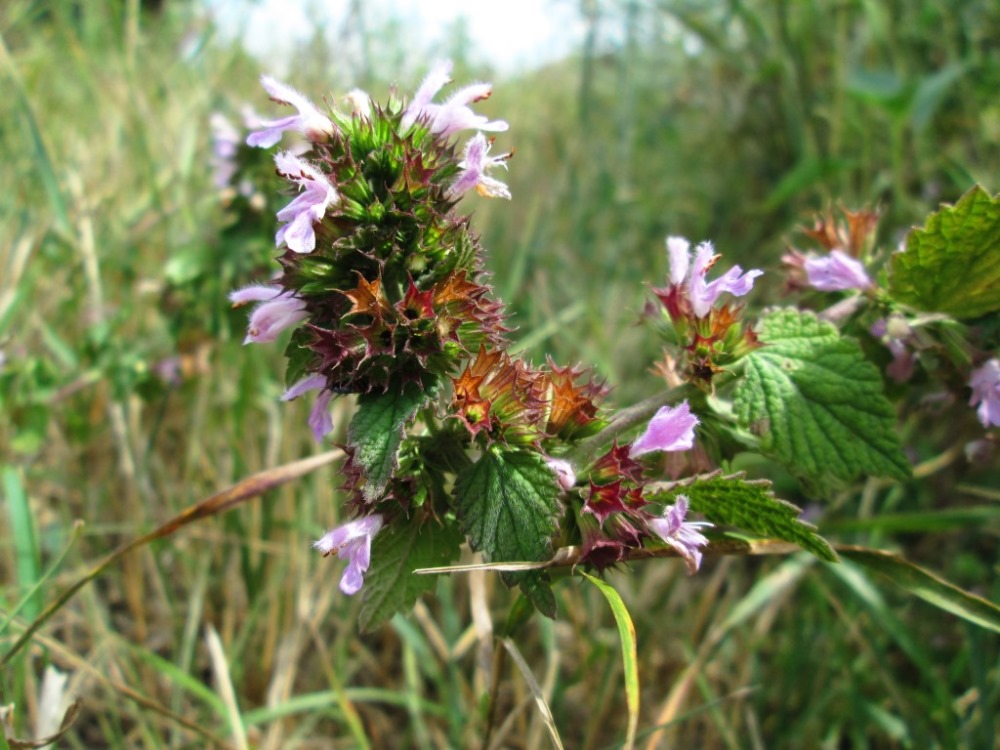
630	657
750	506
390	585
25	541
927	586
816	403
952	264
376	432
507	502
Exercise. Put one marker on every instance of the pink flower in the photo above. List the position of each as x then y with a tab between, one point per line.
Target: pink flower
454	114
671	429
836	272
320	420
308	208
683	536
703	294
985	384
312	123
564	472
474	165
277	311
352	542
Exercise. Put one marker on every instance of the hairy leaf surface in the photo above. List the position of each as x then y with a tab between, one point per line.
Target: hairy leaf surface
952	264
816	403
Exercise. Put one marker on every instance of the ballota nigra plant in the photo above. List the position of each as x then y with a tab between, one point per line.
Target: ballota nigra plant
455	438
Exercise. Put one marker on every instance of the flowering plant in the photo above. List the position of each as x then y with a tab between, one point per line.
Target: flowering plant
457	438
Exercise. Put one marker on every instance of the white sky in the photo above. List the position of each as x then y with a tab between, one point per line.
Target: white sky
510	35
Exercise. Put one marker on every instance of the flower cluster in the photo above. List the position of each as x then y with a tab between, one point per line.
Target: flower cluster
614	518
375	263
381	288
711	335
381	279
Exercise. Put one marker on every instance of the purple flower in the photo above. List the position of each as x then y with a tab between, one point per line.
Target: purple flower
563	470
454	114
895	333
320	420
309	207
683	536
671	429
474	165
985	384
836	272
353	542
312	123
702	293
277	311
225	142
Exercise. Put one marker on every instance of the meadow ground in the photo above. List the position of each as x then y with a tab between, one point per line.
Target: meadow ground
126	395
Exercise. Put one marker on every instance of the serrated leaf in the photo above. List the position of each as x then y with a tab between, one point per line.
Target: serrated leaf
390	585
750	506
507	502
927	586
816	403
952	264
376	431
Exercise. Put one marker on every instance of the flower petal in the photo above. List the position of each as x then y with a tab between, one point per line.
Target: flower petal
836	272
671	429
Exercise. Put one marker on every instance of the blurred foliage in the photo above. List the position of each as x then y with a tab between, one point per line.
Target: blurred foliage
731	121
125	394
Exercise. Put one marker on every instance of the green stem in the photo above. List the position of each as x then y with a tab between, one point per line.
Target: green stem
625	420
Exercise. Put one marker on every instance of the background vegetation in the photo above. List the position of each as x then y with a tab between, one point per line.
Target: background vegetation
125	394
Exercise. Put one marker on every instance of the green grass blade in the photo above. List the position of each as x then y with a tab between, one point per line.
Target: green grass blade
27	559
630	659
927	586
